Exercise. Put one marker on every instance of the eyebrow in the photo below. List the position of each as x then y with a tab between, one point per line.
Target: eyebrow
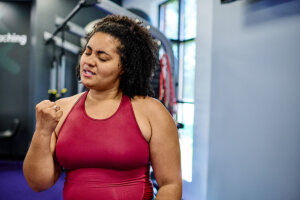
98	52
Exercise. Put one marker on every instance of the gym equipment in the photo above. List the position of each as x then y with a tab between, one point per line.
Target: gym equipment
12	131
81	4
57	72
113	8
166	88
53	78
62	70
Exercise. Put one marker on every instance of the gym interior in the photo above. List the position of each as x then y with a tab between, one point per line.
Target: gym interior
228	76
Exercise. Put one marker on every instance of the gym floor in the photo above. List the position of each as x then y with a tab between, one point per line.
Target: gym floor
14	186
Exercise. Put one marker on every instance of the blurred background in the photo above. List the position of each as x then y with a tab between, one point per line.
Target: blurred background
229	75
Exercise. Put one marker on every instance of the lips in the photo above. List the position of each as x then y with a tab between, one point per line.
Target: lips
88	73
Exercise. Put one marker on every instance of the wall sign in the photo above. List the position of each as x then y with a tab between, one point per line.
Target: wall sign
13	38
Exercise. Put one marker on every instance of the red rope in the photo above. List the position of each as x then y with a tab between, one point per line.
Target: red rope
163	92
161	81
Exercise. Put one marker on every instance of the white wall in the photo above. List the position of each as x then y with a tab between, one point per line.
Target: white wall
251	79
198	188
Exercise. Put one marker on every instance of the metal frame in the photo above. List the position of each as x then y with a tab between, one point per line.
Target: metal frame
113	8
62	44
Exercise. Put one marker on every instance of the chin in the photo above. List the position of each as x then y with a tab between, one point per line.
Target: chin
84	82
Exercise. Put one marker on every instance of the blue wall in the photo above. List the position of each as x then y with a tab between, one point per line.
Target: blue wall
248	100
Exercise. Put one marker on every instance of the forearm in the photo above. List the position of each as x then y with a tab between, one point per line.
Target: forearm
169	192
39	165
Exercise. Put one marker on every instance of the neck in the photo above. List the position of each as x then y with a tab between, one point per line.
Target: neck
112	94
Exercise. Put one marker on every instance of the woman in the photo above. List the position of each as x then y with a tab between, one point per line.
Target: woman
106	138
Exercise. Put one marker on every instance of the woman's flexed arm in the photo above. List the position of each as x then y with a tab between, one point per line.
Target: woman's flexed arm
40	168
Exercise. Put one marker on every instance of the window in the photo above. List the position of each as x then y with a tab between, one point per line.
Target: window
177	20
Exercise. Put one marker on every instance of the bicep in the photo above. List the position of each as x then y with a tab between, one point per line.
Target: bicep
164	149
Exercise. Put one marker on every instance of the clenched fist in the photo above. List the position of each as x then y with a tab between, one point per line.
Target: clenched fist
48	115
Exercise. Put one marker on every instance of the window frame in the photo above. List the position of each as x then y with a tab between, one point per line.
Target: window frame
186	134
180	42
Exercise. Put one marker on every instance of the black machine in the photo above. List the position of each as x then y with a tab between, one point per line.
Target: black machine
227	1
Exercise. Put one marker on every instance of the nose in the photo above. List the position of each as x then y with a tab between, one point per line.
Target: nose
90	61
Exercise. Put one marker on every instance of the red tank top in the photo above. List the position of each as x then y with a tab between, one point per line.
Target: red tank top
105	159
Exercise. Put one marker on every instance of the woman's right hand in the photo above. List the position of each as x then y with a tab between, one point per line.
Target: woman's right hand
48	115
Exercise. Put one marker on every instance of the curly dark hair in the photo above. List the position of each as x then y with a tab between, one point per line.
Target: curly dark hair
138	52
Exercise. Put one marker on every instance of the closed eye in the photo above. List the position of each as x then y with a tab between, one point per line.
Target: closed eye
87	52
102	55
103	60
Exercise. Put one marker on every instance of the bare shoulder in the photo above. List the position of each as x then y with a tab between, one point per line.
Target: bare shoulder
67	101
148	102
152	107
152	117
